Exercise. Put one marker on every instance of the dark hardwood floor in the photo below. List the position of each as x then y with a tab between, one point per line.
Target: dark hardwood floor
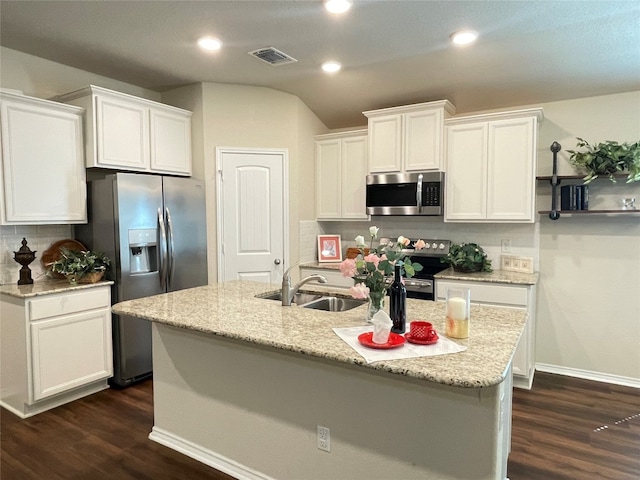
563	429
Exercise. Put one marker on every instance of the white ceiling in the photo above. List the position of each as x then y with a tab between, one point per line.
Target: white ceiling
393	52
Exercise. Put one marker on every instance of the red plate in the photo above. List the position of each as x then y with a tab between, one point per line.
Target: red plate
394	340
420	341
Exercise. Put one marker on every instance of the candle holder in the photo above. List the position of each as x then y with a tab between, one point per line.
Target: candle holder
458	309
24	256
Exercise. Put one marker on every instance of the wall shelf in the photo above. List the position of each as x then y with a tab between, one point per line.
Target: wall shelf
621	180
592	212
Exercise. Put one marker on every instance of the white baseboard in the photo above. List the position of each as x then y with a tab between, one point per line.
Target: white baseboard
206	456
589	375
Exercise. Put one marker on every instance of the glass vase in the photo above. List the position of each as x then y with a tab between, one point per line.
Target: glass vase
376	303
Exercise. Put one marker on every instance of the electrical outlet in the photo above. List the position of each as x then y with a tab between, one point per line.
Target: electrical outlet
506	245
514	263
526	264
324	439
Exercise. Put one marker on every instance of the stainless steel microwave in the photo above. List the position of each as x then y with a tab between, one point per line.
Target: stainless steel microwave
419	193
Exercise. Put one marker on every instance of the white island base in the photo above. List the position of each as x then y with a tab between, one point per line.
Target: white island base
252	412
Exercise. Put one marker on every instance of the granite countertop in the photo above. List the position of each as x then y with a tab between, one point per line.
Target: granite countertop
231	310
47	287
497	276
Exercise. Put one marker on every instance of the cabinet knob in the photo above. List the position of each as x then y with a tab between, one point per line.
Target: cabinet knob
277	261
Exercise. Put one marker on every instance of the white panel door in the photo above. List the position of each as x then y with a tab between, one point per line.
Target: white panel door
423	140
466	172
251	201
170	138
329	178
511	169
42	161
385	144
123	133
354	175
70	351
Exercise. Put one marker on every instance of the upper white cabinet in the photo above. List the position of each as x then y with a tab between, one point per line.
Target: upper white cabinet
491	164
124	132
408	138
42	174
341	170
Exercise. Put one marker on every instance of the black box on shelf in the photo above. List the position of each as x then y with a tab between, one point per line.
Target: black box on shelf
584	197
568	197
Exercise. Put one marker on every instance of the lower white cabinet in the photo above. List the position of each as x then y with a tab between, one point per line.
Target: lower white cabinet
55	348
521	297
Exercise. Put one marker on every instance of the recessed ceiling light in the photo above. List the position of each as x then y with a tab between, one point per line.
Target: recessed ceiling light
331	67
464	37
209	43
337	6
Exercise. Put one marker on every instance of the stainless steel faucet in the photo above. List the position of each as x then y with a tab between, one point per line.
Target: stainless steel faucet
288	292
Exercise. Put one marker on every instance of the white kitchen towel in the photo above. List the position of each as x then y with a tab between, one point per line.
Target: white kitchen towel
407	350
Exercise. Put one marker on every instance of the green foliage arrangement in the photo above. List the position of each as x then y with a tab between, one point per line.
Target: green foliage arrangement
467	257
607	158
79	263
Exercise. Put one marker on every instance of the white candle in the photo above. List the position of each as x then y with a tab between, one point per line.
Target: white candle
457	308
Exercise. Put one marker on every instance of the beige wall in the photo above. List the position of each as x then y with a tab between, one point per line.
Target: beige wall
251	117
589	291
41	78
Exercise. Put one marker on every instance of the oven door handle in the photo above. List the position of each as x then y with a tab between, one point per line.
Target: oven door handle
421	284
419	194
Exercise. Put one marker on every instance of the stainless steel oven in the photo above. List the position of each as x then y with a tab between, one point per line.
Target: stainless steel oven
422	285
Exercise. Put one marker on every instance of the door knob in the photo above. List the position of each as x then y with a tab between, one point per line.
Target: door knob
277	261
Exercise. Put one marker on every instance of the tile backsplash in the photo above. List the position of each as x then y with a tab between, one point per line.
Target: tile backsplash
525	238
39	238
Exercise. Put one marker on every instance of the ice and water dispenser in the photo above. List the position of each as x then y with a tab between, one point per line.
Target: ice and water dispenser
143	255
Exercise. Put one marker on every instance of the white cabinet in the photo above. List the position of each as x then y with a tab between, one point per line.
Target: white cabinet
42	175
124	132
407	138
55	348
520	297
491	163
341	170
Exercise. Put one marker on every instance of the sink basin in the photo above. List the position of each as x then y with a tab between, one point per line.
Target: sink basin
334	304
299	298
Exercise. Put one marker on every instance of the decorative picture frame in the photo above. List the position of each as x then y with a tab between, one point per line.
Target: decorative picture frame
329	248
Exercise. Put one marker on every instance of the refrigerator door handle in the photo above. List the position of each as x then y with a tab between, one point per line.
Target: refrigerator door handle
170	249
163	250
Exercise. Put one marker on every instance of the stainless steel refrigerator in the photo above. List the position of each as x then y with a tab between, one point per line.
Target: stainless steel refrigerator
154	230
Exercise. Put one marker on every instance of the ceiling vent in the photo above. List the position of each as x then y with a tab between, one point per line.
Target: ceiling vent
272	56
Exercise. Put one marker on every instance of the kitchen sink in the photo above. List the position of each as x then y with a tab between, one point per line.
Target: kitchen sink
317	301
334	304
299	298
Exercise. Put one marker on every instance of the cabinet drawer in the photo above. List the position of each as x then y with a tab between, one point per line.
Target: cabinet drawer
66	303
488	293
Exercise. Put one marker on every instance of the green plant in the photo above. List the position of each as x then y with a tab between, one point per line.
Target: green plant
467	257
79	263
607	158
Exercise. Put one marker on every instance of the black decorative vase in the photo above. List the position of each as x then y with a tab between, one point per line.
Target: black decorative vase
24	256
398	303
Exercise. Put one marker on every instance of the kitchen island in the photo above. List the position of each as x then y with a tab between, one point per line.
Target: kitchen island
241	383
